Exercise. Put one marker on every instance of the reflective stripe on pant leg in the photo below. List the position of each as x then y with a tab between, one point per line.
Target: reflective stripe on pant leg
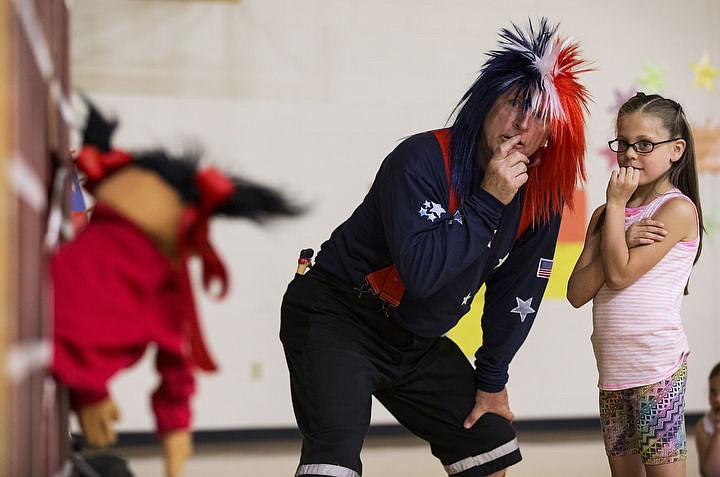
480	459
325	469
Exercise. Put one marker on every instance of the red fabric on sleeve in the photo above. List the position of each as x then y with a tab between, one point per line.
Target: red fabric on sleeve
170	400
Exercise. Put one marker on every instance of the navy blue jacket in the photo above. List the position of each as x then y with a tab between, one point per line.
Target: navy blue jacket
443	258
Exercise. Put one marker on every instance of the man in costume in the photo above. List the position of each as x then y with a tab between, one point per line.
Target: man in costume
123	283
477	203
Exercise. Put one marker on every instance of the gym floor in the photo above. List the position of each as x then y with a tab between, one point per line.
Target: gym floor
573	453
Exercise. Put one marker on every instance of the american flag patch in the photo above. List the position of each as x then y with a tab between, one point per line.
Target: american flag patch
544	268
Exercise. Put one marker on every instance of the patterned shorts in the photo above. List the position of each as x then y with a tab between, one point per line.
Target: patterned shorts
647	420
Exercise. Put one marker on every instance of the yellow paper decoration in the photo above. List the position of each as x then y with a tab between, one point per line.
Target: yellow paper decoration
704	73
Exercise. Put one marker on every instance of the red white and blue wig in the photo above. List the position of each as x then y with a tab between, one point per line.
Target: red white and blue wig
542	67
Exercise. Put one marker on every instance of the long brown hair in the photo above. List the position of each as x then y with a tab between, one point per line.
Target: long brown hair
683	172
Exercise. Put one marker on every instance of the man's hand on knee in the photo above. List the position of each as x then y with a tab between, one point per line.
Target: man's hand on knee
497	403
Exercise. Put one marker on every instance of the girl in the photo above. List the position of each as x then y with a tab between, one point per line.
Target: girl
707	430
636	280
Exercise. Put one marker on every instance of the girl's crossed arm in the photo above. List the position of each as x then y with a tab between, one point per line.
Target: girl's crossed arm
623	265
588	275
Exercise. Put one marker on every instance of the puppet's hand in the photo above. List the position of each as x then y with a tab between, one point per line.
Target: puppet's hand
177	445
98	422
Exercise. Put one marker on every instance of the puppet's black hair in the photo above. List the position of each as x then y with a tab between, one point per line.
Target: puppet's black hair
250	199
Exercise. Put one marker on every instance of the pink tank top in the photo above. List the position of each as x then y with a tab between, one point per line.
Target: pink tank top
638	336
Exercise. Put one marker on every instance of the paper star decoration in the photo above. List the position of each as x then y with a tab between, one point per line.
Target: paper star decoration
704	73
711	225
620	98
652	79
707	147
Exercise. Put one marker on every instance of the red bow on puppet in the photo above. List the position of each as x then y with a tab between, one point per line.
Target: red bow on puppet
214	189
96	164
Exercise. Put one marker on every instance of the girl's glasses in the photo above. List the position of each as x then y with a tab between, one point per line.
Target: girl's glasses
641	147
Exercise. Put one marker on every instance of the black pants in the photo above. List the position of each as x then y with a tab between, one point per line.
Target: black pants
341	349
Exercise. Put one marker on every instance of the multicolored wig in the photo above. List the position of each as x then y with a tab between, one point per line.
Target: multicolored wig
542	68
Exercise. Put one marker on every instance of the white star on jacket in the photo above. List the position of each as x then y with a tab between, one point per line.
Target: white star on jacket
523	308
437	209
431	211
466	298
502	260
457	217
490	242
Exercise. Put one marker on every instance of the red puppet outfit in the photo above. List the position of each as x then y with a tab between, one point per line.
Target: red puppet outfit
120	294
123	284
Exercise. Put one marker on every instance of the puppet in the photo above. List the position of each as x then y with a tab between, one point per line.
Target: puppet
123	283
